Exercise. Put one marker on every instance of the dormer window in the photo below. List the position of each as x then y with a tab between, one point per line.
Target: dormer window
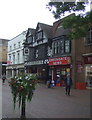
30	39
39	35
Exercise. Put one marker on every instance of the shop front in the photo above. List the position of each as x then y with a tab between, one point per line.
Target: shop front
39	67
60	67
88	70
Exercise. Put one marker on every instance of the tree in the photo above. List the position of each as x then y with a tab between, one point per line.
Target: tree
78	24
22	88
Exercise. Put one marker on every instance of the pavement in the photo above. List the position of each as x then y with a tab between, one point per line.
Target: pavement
49	103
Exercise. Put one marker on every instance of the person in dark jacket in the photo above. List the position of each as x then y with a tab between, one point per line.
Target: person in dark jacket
4	78
68	83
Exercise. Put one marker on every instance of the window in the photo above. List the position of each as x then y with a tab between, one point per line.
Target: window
18	44
30	39
58	47
14	46
10	48
13	58
89	36
39	35
10	58
18	57
36	53
61	46
55	47
67	46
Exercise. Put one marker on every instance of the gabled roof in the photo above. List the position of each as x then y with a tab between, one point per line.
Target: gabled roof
58	29
30	31
60	32
47	29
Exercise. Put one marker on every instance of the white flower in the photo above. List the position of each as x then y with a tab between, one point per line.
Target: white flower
15	77
30	74
30	84
26	77
18	82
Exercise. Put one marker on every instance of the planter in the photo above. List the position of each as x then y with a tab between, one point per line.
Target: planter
81	85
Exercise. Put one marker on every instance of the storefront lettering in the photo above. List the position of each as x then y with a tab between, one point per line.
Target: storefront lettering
36	62
59	61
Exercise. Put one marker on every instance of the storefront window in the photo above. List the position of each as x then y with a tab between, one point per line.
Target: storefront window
89	75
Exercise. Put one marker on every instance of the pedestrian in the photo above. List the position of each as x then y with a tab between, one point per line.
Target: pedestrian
3	78
68	83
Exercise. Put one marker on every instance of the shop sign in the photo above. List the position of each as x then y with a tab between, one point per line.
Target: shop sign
59	61
39	62
88	59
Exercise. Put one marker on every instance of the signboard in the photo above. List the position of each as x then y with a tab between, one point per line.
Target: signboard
26	51
59	61
39	62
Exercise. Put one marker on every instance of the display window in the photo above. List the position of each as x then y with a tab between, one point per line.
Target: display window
89	75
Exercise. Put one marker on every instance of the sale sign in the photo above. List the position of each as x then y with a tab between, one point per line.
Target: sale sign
59	61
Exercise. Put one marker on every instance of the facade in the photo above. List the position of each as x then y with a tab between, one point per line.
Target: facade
15	62
39	51
72	57
82	59
3	55
60	60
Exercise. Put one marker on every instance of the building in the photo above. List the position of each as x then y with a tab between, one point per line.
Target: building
82	59
15	62
3	55
51	54
72	57
60	60
39	50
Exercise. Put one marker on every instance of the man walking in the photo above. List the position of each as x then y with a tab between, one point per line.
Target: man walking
4	78
68	83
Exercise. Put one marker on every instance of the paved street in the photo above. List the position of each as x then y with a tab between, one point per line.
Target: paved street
49	103
0	99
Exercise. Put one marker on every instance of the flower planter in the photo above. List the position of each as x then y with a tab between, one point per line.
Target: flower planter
80	85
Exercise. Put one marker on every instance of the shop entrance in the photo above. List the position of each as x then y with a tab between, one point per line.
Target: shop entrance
61	74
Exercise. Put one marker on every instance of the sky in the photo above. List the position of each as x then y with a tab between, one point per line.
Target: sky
17	16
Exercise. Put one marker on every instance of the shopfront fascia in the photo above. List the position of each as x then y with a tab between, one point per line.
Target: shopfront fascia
60	67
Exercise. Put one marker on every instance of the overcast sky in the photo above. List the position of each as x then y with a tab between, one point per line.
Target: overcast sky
17	16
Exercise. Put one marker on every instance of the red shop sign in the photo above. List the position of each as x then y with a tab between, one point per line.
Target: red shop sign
59	61
88	59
